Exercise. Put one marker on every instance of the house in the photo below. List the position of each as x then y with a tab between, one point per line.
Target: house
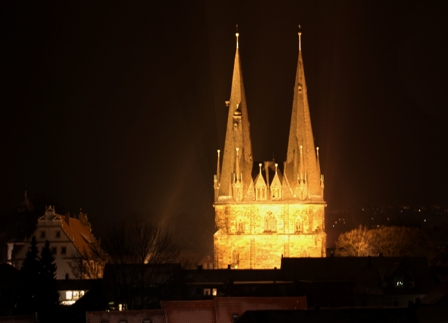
71	241
368	281
217	310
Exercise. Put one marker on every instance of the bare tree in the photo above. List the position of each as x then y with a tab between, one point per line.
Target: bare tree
91	261
140	255
388	241
355	243
399	241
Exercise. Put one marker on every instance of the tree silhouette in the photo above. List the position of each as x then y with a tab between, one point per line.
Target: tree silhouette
37	284
29	281
139	255
48	297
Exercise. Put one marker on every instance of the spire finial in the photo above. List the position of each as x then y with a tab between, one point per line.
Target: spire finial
300	38
237	35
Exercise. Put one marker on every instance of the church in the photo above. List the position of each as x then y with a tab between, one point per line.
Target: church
265	211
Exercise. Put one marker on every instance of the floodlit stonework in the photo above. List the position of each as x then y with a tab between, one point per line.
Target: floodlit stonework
278	212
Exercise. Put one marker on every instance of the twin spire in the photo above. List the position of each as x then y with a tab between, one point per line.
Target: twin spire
301	179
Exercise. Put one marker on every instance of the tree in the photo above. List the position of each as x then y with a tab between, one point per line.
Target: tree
388	241
399	241
29	281
37	283
92	261
354	243
48	297
139	254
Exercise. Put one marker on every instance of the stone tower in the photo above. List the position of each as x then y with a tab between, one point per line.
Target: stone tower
280	210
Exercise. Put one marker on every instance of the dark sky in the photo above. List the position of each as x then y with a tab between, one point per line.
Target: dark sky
119	108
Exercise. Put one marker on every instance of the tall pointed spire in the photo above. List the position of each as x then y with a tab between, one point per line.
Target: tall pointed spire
237	135
301	140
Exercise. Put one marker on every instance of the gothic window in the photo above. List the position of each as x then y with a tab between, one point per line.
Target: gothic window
299	225
270	223
240	226
261	193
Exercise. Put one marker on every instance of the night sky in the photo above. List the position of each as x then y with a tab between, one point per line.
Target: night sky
119	108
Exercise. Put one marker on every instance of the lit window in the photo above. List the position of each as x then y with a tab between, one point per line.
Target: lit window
206	291
399	282
68	294
75	295
214	291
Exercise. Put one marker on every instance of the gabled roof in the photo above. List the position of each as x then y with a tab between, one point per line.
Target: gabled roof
78	230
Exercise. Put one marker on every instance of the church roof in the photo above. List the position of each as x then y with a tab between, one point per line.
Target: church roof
25	205
301	160
236	136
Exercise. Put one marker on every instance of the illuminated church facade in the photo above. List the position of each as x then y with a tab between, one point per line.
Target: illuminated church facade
265	211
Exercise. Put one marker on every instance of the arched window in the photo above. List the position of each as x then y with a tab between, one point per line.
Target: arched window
239	226
270	223
299	225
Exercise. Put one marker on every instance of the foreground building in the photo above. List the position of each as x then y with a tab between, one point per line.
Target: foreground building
71	241
280	210
218	309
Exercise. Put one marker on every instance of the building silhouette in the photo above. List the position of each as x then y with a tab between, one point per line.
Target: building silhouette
264	211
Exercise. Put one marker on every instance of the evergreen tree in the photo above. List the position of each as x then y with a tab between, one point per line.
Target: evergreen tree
29	282
48	297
